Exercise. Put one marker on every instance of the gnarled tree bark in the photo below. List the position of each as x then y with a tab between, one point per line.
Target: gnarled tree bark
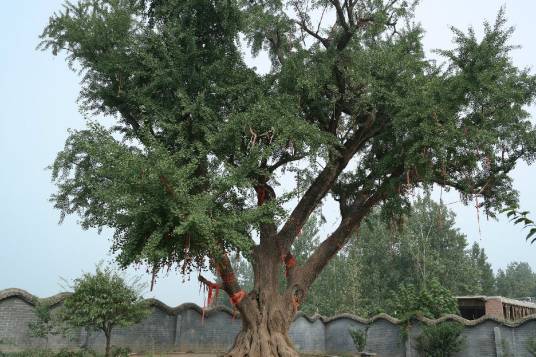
267	316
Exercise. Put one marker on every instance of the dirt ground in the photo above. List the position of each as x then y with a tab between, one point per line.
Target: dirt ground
175	354
184	354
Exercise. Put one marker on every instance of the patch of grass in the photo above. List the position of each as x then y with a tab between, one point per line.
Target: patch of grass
50	353
116	352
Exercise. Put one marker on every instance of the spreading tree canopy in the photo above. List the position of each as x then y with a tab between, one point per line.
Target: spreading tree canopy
192	166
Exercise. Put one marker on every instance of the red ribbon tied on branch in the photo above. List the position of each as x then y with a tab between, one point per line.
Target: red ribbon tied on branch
236	298
261	194
211	287
290	262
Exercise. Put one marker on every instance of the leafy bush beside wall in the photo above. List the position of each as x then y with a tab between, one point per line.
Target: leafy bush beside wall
360	338
441	340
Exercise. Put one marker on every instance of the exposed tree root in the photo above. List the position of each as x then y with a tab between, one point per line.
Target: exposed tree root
262	343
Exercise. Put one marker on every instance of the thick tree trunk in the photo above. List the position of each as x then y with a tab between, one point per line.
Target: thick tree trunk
266	312
266	322
108	352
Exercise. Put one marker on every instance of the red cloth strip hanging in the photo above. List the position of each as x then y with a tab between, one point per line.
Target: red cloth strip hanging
261	194
210	286
236	298
295	304
290	262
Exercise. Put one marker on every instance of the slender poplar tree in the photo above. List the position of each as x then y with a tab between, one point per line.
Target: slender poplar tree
191	167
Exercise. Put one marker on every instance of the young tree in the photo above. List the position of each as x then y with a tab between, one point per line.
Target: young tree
103	301
190	168
45	324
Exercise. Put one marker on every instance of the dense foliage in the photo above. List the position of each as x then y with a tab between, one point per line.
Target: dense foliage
103	301
424	246
201	127
431	300
441	340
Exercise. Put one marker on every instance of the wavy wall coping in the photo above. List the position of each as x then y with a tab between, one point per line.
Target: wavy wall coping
58	298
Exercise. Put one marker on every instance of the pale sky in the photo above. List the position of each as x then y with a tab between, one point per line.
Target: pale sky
38	104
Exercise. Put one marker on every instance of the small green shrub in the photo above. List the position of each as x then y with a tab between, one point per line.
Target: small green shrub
359	337
531	346
441	340
120	351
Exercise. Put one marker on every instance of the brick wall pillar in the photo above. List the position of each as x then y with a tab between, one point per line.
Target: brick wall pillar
494	307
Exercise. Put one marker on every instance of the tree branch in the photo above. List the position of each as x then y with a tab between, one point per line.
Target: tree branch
130	120
285	159
225	270
321	186
326	42
340	15
307	274
275	41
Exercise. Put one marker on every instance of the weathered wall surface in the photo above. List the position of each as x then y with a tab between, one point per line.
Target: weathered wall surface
182	329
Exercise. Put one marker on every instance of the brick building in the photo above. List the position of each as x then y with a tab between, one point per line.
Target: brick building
473	307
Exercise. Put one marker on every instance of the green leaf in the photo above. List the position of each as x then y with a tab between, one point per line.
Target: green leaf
531	233
510	213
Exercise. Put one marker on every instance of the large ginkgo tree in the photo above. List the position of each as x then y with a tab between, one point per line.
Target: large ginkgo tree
204	157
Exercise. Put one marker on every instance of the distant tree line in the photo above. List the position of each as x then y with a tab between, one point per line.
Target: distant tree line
517	281
419	254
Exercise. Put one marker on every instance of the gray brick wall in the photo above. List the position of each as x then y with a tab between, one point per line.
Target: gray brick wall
308	334
183	329
15	314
